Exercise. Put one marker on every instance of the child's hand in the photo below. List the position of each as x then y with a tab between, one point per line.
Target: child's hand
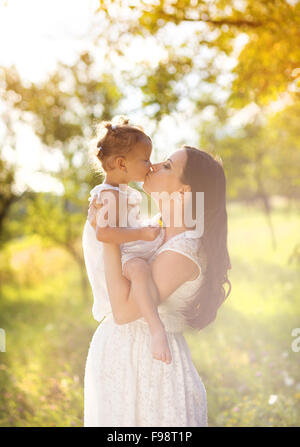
150	233
91	217
92	212
96	202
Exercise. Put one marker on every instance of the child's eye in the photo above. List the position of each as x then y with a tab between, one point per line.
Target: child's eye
166	166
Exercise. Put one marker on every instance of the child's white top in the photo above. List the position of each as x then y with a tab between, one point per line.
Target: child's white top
93	249
133	198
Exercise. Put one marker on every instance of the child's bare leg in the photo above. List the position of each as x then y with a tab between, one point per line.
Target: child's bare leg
145	294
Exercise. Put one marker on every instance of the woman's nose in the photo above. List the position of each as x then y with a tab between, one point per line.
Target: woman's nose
155	167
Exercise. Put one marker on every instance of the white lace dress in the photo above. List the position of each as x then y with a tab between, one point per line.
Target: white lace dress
124	386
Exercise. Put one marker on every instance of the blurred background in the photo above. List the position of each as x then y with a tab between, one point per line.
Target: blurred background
223	76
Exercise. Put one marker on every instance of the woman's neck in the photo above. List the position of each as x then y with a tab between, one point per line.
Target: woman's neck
170	228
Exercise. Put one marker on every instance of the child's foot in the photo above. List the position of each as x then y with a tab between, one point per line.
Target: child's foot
160	346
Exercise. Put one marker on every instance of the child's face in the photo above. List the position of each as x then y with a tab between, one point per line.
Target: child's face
138	163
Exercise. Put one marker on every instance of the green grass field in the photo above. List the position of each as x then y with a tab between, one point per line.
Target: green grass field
245	359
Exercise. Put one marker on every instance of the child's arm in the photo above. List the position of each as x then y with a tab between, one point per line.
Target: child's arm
119	235
105	219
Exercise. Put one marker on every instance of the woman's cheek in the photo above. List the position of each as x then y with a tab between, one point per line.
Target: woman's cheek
161	187
154	185
163	183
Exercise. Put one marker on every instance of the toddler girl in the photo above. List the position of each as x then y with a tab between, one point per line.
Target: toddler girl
124	152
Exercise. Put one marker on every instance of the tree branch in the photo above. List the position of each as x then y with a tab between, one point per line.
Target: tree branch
218	22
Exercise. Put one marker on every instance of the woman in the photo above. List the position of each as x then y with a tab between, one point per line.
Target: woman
124	385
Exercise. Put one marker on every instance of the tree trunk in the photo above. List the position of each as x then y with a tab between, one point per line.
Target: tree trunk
267	209
267	206
82	271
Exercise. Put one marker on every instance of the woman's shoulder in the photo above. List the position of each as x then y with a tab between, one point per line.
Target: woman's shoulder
186	243
178	262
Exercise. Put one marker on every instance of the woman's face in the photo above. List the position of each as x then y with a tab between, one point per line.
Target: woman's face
165	176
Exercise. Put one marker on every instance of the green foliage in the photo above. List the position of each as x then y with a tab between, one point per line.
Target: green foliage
260	158
7	196
62	111
267	65
159	88
67	104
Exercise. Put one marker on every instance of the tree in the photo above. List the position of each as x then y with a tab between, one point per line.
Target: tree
267	65
261	158
263	37
62	110
8	194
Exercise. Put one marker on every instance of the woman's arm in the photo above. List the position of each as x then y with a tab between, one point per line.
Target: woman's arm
169	270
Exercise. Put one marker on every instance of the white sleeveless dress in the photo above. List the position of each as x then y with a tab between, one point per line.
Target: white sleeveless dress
124	386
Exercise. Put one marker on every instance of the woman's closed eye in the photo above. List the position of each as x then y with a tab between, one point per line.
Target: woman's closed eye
167	165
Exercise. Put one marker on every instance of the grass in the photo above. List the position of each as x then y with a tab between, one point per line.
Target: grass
245	360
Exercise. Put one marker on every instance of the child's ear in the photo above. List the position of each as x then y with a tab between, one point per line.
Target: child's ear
120	163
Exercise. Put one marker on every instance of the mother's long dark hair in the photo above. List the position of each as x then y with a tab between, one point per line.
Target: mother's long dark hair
205	174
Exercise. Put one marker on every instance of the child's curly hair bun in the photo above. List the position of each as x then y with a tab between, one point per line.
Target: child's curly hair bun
106	127
115	137
120	120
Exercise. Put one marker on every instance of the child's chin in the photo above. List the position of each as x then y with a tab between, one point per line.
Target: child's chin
141	181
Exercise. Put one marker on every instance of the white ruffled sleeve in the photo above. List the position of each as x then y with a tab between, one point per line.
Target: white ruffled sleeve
93	257
187	244
96	191
94	262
